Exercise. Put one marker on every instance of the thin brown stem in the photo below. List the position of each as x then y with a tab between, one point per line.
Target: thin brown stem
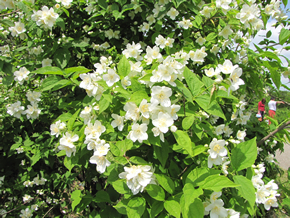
2	15
273	133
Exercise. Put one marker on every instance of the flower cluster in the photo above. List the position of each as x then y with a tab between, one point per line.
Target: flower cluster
36	181
18	29
138	177
66	143
265	193
215	207
45	17
21	75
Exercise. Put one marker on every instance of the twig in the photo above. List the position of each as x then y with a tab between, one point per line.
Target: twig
13	209
273	133
2	15
48	211
182	171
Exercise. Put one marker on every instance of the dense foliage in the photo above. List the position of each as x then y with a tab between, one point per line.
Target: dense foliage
137	108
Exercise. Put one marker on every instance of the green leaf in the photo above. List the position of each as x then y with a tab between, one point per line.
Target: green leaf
59	22
71	121
212	108
217	183
198	150
61	84
194	84
183	90
246	189
155	192
173	208
284	36
161	153
156	208
124	67
178	2
35	158
104	104
244	155
121	206
68	163
184	141
62	57
76	198
48	70
165	182
49	82
211	37
191	206
138	96
136	207
188	121
102	196
138	160
276	77
121	187
271	55
103	4
124	145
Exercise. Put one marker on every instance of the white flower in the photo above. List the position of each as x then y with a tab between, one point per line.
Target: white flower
219	129
27	198
261	194
161	95
217	161
101	162
163	122
94	130
217	148
33	96
132	111
270	158
200	41
26	213
233	214
55	129
66	143
16	109
138	132
111	78
138	177
101	149
241	134
235	79
173	128
225	167
210	72
206	11
257	181
216	209
228	131
270	202
66	3
160	41
21	75
226	32
144	108
185	24
227	67
32	111
172	13
18	29
117	122
132	50
46	62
